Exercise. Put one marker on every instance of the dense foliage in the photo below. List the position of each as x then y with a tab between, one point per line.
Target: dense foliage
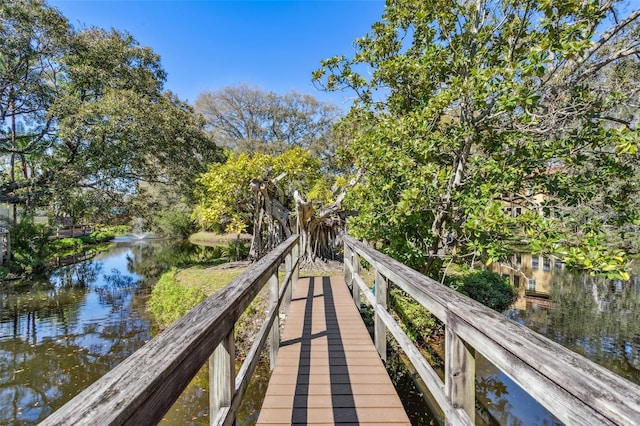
468	111
33	250
226	201
30	248
84	117
176	222
489	288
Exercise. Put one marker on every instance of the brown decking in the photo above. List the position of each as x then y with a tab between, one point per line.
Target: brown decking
328	370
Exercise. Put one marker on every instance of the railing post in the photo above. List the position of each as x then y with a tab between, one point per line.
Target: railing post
380	330
288	266
348	279
356	271
274	335
460	370
295	254
221	377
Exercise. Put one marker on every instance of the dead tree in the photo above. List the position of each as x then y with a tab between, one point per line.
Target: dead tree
321	233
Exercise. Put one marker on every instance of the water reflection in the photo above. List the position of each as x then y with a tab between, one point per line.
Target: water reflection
60	335
593	316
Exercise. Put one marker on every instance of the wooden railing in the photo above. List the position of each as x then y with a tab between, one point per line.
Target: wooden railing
574	389
141	389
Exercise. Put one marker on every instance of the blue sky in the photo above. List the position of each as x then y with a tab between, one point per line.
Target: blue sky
210	44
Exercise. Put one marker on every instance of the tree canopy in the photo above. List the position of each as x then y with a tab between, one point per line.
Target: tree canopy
252	120
225	194
84	114
465	108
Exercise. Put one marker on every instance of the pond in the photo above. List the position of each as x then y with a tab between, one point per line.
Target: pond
59	335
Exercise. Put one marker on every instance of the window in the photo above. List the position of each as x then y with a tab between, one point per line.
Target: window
546	264
535	262
531	285
516	281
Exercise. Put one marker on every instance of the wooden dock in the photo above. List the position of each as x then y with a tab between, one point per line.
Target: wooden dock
328	370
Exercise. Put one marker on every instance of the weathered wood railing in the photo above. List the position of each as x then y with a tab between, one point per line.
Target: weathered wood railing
141	389
574	389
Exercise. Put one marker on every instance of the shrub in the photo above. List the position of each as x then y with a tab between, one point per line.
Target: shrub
98	237
65	244
490	289
29	246
116	229
174	223
235	250
416	321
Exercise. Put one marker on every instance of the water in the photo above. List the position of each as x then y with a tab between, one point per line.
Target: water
592	316
58	336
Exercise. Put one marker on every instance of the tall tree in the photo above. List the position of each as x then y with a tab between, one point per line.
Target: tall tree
94	115
33	41
251	120
470	103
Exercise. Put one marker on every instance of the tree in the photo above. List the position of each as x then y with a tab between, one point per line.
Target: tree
93	113
261	193
472	103
250	120
117	127
33	39
225	190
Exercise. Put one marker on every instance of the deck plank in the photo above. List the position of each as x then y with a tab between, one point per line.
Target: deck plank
328	370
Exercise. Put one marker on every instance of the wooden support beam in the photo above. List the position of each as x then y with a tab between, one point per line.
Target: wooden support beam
274	335
295	254
288	267
380	330
355	262
460	371
222	378
347	262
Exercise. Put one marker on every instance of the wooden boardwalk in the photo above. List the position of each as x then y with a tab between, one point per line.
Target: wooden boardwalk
328	370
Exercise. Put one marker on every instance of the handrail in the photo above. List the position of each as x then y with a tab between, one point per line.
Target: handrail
141	389
574	389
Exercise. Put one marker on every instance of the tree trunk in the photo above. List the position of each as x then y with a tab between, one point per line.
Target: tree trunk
320	232
14	147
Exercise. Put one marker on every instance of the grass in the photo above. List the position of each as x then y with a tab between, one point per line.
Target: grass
209	280
179	291
212	238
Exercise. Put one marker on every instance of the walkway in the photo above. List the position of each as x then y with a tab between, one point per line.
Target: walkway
328	370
